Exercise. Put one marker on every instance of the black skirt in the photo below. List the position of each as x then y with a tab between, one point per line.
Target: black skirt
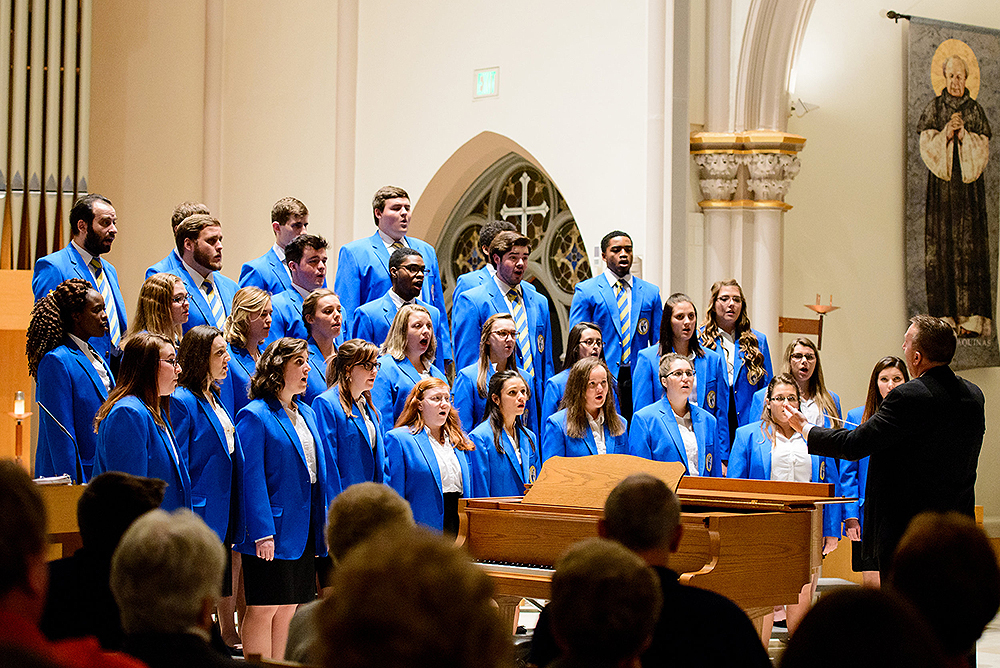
286	581
858	562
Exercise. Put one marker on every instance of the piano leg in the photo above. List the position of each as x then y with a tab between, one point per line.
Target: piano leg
509	609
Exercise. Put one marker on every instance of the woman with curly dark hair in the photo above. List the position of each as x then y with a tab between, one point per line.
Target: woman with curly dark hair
71	379
726	330
287	482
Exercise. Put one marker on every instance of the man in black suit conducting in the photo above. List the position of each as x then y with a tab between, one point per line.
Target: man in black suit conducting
924	441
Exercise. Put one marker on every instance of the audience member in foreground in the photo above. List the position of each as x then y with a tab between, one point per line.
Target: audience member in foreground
80	601
358	513
643	514
944	565
605	602
879	629
24	578
411	598
166	576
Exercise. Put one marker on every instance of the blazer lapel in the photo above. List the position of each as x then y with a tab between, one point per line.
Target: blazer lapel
281	416
588	438
763	448
367	458
635	307
80	267
700	435
670	423
424	444
209	413
738	361
508	448
380	251
411	371
612	303
81	359
388	310
196	297
169	442
279	270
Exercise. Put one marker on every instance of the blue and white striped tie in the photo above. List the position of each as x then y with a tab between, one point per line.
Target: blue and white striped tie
215	303
521	322
104	287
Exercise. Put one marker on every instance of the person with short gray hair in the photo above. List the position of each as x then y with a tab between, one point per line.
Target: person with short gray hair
166	576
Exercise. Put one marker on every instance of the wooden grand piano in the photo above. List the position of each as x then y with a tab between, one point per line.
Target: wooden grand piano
756	542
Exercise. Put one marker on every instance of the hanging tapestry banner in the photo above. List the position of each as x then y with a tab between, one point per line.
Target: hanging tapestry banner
953	182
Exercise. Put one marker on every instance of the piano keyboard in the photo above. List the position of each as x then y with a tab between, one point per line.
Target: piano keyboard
517	569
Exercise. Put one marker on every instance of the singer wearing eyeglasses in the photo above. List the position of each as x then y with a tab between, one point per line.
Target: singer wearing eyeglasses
672	429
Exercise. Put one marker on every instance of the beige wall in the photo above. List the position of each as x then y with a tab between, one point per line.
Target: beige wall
147	93
845	234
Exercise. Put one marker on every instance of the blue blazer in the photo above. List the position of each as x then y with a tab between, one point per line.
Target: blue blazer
414	473
742	389
363	276
202	443
286	317
854	476
496	474
751	458
712	383
70	388
266	272
130	441
594	301
655	435
472	408
392	386
171	264
556	442
472	309
67	263
317	372
346	439
371	322
200	312
277	499
469	280
241	369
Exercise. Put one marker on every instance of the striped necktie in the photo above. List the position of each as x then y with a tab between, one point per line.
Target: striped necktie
215	303
396	245
625	317
521	322
104	287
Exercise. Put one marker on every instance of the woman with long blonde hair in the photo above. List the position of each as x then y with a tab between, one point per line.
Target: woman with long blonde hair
407	357
496	353
726	330
589	423
162	308
245	331
428	456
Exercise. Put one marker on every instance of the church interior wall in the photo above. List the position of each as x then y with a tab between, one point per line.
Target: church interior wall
844	235
572	93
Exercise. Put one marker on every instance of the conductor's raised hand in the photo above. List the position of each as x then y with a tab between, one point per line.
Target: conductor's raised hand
795	417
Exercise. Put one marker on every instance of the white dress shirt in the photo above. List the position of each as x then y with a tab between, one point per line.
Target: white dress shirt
597	429
447	459
790	460
308	443
102	372
686	427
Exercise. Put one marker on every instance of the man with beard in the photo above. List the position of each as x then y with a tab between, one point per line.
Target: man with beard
955	147
199	243
172	262
371	321
508	293
93	224
627	308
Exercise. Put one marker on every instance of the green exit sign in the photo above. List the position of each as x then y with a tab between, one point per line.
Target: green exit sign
487	82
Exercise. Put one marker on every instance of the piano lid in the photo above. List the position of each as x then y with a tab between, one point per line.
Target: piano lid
586	482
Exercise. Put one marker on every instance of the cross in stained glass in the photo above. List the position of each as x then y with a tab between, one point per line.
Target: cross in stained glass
524	211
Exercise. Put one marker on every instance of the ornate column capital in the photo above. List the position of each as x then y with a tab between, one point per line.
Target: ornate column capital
749	170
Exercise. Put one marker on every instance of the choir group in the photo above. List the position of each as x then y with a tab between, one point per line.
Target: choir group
259	401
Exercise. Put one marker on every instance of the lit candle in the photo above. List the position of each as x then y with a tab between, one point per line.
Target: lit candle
19	403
